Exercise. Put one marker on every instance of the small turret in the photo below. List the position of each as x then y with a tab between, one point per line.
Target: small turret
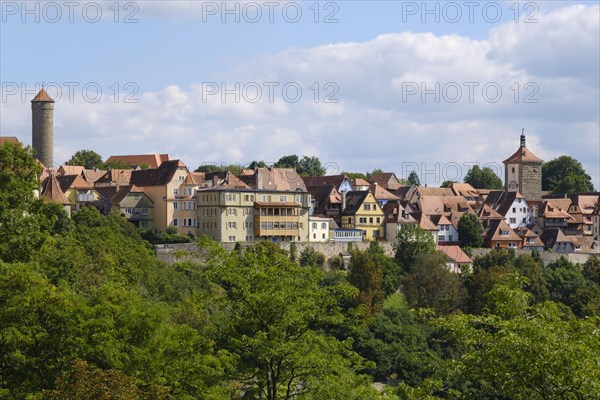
42	127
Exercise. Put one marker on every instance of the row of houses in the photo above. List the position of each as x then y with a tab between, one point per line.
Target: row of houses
279	205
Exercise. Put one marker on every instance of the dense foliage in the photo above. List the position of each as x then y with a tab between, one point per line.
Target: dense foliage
88	312
484	178
565	175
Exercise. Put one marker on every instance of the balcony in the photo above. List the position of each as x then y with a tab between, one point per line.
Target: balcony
84	198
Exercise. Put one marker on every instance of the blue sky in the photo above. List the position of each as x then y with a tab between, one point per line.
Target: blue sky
400	72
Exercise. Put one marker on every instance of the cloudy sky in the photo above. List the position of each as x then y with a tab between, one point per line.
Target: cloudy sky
397	85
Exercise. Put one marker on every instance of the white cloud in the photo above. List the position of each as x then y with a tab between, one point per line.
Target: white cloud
372	125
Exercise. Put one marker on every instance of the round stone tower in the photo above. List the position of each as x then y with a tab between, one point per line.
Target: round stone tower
42	127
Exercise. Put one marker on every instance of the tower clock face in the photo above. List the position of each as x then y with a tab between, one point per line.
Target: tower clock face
513	185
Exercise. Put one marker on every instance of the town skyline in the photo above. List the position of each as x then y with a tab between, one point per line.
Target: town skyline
395	75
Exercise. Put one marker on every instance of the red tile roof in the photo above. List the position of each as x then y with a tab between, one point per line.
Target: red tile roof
455	253
152	160
51	191
523	155
43	96
8	139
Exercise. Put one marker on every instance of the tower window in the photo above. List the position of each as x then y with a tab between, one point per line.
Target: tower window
513	170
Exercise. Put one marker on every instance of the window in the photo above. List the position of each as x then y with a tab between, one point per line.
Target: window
323	236
231	225
190	222
314	225
450	238
129	211
441	238
175	205
512	245
282	199
231	211
323	225
232	238
181	178
378	220
367	207
370	220
362	220
314	235
512	220
514	209
175	222
175	192
248	225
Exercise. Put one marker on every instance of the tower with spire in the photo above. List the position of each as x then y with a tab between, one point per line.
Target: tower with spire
42	127
523	172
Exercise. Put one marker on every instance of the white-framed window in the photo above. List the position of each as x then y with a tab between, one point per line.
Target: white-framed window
232	238
282	199
314	225
231	211
323	225
175	191
175	205
513	220
231	225
129	211
181	178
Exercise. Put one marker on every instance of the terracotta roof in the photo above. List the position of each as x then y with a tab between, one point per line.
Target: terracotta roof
527	234
455	253
424	221
70	169
381	194
43	96
223	179
552	235
387	180
155	176
493	232
523	155
394	212
486	212
335	180
550	210
51	191
360	182
279	179
400	191
135	160
586	244
433	191
8	139
354	200
195	178
502	201
440	220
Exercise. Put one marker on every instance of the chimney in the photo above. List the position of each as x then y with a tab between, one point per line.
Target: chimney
523	138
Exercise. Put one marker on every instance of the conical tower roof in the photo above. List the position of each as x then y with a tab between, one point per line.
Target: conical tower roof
43	96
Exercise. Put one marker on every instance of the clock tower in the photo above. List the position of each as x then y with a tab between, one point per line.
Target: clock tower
523	172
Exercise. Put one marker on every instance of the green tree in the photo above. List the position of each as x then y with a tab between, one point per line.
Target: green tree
516	356
89	159
368	175
23	224
565	175
275	308
85	382
291	161
397	342
311	257
115	164
336	263
257	164
484	178
470	231
536	282
411	241
366	274
448	184
310	166
430	284
413	178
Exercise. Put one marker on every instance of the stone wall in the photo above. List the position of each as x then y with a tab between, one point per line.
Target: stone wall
189	251
531	181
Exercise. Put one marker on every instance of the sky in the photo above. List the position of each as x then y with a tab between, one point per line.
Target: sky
434	86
